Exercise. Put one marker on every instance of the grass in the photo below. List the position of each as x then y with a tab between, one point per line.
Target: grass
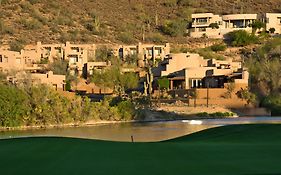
237	149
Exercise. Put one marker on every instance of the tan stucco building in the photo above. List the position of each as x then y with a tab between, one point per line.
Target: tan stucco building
216	26
187	70
273	20
55	81
145	52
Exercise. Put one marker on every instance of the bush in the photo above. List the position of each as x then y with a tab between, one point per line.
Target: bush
126	110
31	24
5	29
174	28
273	102
155	38
186	2
214	26
208	54
170	3
242	38
126	37
17	45
218	47
272	30
216	114
163	83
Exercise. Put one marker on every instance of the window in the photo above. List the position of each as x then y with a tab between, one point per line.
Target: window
18	60
202	29
279	19
1	59
133	51
75	49
202	21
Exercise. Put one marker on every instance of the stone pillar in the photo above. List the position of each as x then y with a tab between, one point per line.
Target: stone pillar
171	84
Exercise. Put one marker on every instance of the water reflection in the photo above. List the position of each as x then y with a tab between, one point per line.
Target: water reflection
142	132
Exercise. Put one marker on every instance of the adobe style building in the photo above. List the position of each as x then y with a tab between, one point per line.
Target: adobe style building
145	52
273	21
55	81
188	72
216	26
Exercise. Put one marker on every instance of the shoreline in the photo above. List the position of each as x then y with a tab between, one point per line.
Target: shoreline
94	123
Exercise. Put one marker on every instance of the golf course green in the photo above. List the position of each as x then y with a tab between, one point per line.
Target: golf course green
252	149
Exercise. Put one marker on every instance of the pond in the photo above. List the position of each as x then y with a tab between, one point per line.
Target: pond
141	132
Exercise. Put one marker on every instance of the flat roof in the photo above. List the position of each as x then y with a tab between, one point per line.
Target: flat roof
239	16
202	15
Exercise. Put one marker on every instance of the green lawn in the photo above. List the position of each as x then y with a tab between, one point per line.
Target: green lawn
238	149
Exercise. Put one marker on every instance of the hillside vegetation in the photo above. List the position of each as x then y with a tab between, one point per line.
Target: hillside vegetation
100	21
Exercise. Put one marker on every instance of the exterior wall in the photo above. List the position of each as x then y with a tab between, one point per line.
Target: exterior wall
10	60
145	52
226	24
273	20
180	61
77	55
56	81
96	65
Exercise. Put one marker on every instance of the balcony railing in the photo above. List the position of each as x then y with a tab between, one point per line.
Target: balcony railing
200	23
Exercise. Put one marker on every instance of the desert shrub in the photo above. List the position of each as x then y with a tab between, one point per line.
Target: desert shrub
126	37
216	114
242	38
170	3
5	29
272	30
63	20
174	28
218	47
207	53
17	45
185	13
31	24
155	38
34	1
3	2
186	2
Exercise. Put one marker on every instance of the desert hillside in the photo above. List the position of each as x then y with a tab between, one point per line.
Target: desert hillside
124	21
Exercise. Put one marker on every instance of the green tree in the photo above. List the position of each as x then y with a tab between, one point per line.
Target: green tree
113	78
246	95
272	30
104	53
257	25
214	25
14	106
59	67
163	83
